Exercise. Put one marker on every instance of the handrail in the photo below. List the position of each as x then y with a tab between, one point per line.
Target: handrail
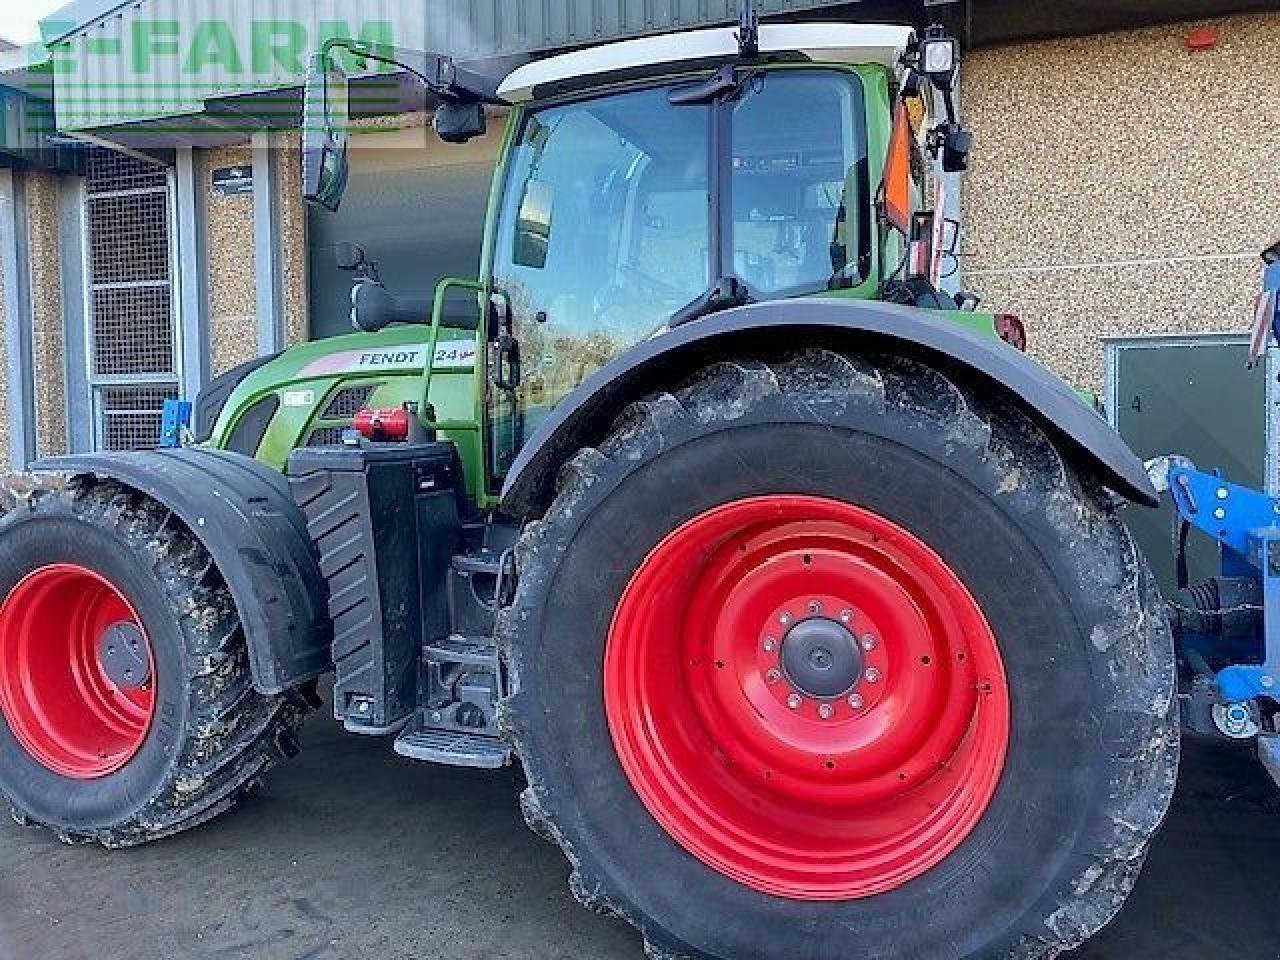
433	343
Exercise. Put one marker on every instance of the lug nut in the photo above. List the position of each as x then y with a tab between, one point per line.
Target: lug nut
785	619
868	643
773	676
872	675
770	645
856	701
846	616
826	711
815	607
795	701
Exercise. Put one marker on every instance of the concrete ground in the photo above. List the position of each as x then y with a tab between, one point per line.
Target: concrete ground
351	853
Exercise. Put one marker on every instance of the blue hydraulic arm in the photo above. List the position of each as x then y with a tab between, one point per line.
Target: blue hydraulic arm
1247	525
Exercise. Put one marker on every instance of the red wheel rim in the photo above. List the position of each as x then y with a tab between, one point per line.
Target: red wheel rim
724	713
76	672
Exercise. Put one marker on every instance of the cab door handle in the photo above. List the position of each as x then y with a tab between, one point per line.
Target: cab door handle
506	362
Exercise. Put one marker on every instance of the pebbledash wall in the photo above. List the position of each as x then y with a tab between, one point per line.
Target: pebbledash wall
1122	184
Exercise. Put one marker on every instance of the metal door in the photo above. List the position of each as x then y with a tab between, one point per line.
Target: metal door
132	327
1190	395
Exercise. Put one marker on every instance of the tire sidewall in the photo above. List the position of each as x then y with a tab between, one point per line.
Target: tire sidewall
988	896
52	534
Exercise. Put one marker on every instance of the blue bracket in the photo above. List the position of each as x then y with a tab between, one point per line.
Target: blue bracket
176	419
1247	525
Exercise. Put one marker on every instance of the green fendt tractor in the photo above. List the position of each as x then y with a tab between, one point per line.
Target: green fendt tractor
800	593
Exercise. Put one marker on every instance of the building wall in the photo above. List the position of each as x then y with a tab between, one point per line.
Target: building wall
1122	184
232	282
48	339
293	228
233	290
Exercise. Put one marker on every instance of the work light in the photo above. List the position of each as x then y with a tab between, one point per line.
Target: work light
939	57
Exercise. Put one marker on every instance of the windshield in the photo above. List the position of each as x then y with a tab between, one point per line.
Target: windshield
799	177
606	225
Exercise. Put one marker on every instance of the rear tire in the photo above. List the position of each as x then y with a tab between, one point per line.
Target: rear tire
208	736
1090	755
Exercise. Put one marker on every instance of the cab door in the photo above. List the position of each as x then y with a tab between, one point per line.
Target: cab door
603	234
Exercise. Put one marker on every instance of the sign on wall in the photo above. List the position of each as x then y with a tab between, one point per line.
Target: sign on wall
233	181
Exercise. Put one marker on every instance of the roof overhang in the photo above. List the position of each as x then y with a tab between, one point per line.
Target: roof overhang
28	131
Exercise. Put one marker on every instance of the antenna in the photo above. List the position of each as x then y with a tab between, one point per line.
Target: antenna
748	29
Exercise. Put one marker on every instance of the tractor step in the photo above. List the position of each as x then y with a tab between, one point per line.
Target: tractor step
484	563
459	650
454	749
456	723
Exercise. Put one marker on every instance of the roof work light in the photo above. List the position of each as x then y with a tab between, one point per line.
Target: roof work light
939	57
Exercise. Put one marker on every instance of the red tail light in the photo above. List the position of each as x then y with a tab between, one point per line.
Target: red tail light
383	426
1010	329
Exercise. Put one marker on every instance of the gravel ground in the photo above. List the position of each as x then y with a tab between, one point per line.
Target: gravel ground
351	853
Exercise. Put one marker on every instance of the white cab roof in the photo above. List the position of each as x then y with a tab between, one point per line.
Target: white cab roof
820	42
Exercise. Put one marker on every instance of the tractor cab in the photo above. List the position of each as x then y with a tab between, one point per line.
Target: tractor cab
650	183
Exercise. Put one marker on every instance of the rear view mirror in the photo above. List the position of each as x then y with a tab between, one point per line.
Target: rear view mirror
533	225
326	119
457	122
349	256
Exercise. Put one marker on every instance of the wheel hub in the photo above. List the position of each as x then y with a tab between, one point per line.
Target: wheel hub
821	659
122	655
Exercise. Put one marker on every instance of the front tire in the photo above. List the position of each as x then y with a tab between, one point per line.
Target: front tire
982	779
127	707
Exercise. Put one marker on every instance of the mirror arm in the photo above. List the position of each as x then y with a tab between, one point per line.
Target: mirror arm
439	72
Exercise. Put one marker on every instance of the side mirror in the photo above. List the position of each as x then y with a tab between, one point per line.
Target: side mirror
326	118
457	122
349	256
533	225
957	146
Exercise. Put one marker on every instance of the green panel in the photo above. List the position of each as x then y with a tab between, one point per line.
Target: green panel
306	377
1195	398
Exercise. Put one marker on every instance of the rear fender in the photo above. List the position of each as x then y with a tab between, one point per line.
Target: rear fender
244	515
583	418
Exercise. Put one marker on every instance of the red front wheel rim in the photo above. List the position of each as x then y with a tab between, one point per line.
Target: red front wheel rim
77	672
807	698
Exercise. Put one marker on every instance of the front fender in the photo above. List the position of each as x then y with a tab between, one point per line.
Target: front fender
246	518
586	414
